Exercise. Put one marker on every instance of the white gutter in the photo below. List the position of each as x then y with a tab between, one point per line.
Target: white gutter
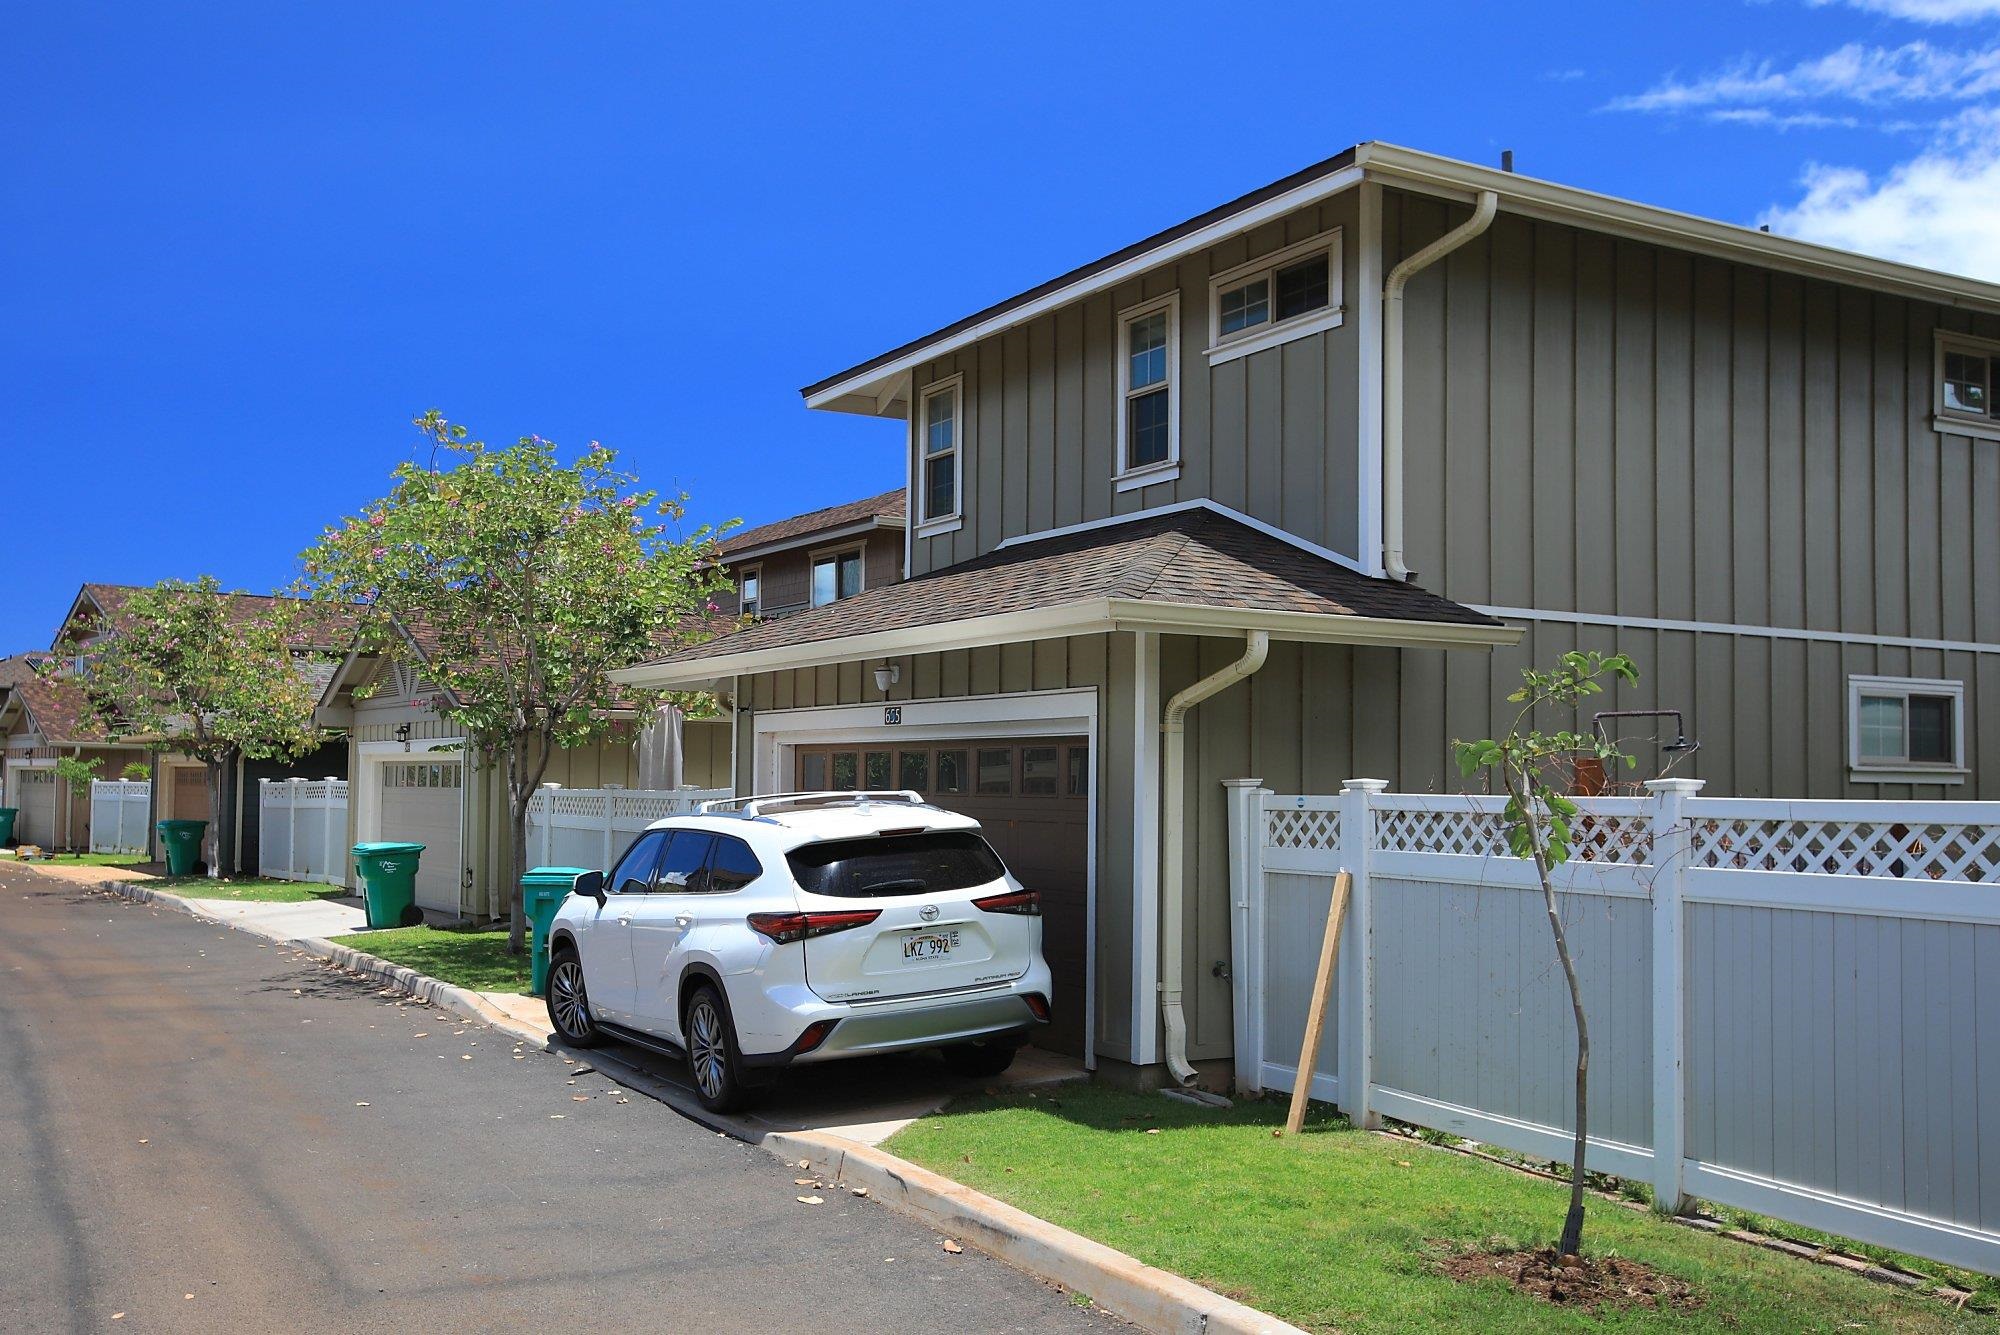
1173	860
1392	374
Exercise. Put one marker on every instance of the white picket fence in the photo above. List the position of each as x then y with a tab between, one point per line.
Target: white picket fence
1793	1005
118	811
302	830
588	827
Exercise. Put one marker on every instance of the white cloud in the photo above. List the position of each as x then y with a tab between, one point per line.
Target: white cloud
1915	72
1924	11
1940	210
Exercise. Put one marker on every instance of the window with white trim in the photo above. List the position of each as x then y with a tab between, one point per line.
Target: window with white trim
940	427
750	591
835	575
1966	395
1906	727
1149	427
1275	298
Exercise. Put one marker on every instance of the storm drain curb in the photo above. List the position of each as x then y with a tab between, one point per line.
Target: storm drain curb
1122	1285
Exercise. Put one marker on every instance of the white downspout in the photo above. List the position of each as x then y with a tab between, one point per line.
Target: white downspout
1392	374
1172	859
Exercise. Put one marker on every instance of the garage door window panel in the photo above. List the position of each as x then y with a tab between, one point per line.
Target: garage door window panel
996	772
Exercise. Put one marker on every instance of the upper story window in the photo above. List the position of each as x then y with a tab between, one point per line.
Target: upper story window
750	591
835	575
1967	392
1275	298
939	433
1149	428
1906	729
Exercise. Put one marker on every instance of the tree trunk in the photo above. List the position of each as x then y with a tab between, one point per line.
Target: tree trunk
1572	1232
214	840
521	786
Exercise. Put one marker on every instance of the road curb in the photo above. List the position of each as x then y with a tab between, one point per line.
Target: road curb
1123	1285
1145	1295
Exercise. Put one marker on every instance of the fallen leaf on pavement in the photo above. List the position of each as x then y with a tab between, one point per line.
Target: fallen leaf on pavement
144	1142
805	1181
117	1316
859	1191
811	1200
425	1034
555	1117
952	1247
579	1098
361	1105
465	1056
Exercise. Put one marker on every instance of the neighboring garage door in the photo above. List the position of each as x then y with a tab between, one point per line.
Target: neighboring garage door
1032	795
420	804
37	800
190	796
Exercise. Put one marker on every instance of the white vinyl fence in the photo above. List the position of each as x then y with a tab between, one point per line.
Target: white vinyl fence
588	827
118	810
302	830
1794	1007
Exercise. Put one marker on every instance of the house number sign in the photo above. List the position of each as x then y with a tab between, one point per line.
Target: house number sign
892	714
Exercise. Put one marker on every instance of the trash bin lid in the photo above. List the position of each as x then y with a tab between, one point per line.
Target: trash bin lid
386	847
178	826
562	876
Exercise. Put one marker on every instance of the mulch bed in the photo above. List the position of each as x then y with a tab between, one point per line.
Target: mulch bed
1587	1282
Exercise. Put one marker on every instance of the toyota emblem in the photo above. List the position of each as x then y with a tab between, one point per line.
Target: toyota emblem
928	913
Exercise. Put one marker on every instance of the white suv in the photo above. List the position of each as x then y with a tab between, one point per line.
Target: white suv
799	928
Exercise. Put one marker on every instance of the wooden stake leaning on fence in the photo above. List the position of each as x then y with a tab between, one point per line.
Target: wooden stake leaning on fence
1322	996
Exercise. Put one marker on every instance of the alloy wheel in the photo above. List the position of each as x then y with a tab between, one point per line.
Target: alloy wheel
707	1056
567	999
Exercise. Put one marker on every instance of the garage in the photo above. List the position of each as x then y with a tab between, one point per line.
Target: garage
422	801
37	800
1032	795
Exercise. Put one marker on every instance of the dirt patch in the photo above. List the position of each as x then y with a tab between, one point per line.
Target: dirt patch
1588	1282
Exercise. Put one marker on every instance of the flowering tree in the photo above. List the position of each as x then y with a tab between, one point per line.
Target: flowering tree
523	583
1535	768
214	675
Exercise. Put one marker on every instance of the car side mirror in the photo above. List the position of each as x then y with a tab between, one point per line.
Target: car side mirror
590	885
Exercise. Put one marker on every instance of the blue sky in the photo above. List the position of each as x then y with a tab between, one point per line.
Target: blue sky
243	244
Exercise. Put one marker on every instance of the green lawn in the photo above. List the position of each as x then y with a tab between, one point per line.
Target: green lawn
474	959
1337	1228
250	890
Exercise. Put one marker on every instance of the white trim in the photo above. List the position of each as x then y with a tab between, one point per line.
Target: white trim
1273	331
1170	305
1861	770
1277	206
1150	476
747	571
937	528
776	732
1736	628
928	524
859	529
1368	397
1951	421
1181	507
1145	1049
833	553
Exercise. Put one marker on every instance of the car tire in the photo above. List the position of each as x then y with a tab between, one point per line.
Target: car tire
569	1001
715	1063
977	1060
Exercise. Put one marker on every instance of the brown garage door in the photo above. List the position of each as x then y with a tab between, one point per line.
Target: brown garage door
1033	798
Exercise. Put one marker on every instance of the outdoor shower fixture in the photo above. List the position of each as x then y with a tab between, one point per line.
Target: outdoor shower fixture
1680	744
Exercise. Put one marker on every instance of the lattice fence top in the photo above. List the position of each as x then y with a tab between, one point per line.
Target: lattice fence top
1478	829
296	792
622	805
114	788
1302	828
1932	850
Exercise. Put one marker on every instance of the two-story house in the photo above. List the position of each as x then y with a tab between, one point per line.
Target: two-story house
1293	489
816	558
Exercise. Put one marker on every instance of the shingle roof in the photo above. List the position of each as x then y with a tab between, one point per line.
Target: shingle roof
325	625
18	668
60	711
1194	557
889	505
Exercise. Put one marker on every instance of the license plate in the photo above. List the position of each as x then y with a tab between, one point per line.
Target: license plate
932	946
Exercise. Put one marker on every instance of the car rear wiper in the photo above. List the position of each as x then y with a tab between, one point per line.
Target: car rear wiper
906	885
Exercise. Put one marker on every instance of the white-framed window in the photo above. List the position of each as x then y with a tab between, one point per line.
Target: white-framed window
1275	298
836	574
750	591
1906	729
940	439
1966	385
1149	393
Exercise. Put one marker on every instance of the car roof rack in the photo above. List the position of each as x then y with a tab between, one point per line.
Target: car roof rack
762	806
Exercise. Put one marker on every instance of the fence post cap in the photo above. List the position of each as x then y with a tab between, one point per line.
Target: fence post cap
296	778
547	784
1242	783
1682	786
1364	785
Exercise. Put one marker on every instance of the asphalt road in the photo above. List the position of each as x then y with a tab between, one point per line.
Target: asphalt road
202	1132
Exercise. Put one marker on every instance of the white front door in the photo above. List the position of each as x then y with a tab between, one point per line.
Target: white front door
421	802
36	799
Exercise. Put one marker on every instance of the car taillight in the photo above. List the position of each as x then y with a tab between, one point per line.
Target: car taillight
1038	1005
1015	901
785	928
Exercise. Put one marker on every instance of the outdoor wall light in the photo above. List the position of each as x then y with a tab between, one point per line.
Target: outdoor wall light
888	675
403	735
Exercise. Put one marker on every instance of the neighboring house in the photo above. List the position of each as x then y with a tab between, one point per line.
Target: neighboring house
1768	470
816	558
411	777
46	718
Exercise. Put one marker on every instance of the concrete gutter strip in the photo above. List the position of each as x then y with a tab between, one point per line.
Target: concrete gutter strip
1145	1295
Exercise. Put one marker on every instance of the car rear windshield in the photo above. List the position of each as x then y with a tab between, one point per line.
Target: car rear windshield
895	864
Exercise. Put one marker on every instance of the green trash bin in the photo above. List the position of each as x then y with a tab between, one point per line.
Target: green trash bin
388	873
7	815
181	841
543	890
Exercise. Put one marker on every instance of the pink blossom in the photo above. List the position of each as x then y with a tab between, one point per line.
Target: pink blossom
378	553
377	519
629	502
713	606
